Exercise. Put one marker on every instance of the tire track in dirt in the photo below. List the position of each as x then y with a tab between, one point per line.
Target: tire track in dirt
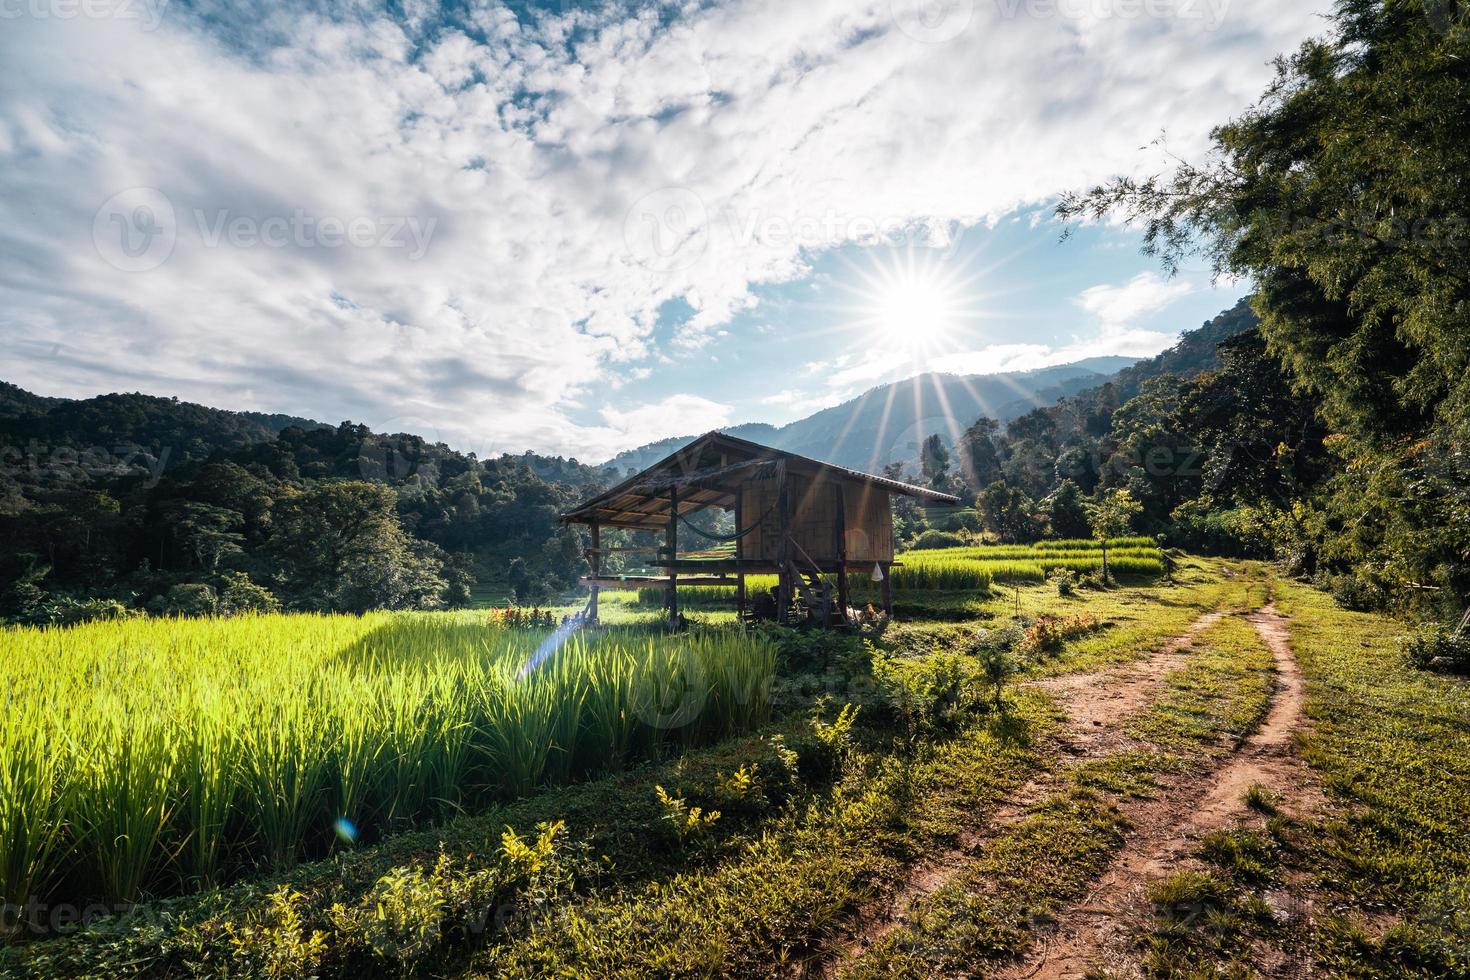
1096	933
1098	705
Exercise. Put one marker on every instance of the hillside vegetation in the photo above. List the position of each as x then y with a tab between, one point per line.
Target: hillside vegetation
124	502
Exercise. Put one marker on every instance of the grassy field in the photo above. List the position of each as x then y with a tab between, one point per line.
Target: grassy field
745	843
164	755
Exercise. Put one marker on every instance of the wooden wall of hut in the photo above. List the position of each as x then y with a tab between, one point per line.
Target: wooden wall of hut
867	513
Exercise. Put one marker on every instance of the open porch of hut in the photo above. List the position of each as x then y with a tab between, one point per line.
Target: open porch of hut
806	522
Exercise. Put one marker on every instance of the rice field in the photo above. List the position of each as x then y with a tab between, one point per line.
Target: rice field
973	569
161	756
1021	564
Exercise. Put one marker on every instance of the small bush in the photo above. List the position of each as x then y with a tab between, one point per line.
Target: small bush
934	697
190	599
239	595
832	742
1436	647
998	666
276	944
74	612
406	917
932	540
1048	633
683	822
1065	581
1355	593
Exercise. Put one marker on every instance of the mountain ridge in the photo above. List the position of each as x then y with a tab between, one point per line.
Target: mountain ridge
877	428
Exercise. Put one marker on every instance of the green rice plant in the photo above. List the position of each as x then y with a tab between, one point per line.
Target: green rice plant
122	799
33	799
284	769
158	756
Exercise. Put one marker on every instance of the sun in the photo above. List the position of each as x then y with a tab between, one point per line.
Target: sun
915	311
914	307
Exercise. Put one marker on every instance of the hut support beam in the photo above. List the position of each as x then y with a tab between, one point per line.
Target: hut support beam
595	559
842	597
739	554
673	546
783	556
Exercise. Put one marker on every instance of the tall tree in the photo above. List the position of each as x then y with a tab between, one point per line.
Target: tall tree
1009	513
345	549
1343	195
934	462
1112	517
1066	511
978	459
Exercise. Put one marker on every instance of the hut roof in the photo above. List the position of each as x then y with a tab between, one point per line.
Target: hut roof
707	473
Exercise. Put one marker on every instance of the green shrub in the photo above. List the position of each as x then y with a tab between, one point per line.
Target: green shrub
406	918
1436	647
190	599
239	595
832	742
931	540
74	612
1065	580
1356	593
998	666
276	944
937	696
684	823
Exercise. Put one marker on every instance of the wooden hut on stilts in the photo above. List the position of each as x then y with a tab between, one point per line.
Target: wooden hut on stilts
807	522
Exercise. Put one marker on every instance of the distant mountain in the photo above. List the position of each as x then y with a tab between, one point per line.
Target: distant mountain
887	423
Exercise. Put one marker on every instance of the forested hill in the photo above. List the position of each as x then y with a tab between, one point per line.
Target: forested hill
1196	352
153	502
164	429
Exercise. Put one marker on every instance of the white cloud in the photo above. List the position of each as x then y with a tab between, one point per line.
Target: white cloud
1121	306
578	175
677	414
996	359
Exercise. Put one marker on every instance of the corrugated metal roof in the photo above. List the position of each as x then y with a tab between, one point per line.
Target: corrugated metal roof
619	505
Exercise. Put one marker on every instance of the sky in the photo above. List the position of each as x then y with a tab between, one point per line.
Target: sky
579	227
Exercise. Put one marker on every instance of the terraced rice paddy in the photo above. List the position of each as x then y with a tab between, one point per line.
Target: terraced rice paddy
1009	564
157	756
973	569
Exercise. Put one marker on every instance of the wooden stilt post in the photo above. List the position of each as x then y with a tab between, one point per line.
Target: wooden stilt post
596	571
888	590
739	554
783	510
673	548
842	597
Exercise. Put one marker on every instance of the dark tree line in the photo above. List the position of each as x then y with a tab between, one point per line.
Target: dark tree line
128	502
1335	434
1344	194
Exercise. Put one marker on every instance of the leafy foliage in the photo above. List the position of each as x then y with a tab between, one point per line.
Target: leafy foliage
125	498
1341	194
